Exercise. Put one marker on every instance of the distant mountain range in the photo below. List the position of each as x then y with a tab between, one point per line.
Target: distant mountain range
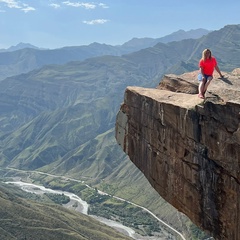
25	57
135	43
140	43
57	114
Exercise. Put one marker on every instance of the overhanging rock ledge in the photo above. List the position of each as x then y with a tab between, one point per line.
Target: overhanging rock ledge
188	148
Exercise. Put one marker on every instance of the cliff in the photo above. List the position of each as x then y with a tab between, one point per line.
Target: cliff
188	148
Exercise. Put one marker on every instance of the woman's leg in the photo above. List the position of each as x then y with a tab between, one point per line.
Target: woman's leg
201	88
209	79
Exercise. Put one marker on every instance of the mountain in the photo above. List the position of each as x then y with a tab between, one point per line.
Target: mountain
181	35
140	43
18	47
25	57
61	118
184	55
82	96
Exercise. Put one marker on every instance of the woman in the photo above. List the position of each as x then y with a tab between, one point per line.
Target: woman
207	65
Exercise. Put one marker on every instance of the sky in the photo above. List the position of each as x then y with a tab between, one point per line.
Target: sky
58	23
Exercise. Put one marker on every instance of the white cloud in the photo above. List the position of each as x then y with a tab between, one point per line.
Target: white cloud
28	9
11	3
80	4
103	5
14	4
96	21
54	5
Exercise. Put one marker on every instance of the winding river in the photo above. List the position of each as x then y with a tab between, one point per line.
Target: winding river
77	204
81	205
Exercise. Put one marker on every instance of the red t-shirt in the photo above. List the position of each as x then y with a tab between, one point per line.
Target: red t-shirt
208	65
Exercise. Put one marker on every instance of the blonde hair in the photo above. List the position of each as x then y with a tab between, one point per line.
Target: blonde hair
204	54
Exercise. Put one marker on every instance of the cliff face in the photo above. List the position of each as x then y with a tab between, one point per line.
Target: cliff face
188	148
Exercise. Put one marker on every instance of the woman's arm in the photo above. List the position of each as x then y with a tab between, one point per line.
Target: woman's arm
201	69
218	70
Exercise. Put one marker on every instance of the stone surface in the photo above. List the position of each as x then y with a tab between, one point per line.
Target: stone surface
188	148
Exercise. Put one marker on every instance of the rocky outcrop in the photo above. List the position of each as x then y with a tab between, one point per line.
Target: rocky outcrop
188	148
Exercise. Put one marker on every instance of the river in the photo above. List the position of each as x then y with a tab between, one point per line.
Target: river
81	207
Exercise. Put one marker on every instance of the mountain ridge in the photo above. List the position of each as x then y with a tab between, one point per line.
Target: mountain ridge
175	36
25	57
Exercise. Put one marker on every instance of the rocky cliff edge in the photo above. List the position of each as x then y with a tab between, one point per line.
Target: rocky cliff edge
188	148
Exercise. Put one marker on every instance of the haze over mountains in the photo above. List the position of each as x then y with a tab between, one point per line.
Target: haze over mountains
60	118
136	43
25	57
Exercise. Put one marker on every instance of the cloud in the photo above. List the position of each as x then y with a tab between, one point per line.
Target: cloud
54	5
11	3
103	5
28	9
79	4
14	4
85	5
96	21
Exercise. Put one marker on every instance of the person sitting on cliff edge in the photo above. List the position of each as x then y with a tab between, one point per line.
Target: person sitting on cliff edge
207	65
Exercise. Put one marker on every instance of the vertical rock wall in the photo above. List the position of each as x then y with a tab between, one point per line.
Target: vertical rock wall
189	150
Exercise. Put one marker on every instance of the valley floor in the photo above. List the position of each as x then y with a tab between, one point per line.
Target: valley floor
116	225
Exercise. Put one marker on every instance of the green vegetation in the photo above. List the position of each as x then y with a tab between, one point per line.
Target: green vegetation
58	198
197	233
129	215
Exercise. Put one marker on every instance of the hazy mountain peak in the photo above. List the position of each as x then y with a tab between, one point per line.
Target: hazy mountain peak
175	36
19	46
